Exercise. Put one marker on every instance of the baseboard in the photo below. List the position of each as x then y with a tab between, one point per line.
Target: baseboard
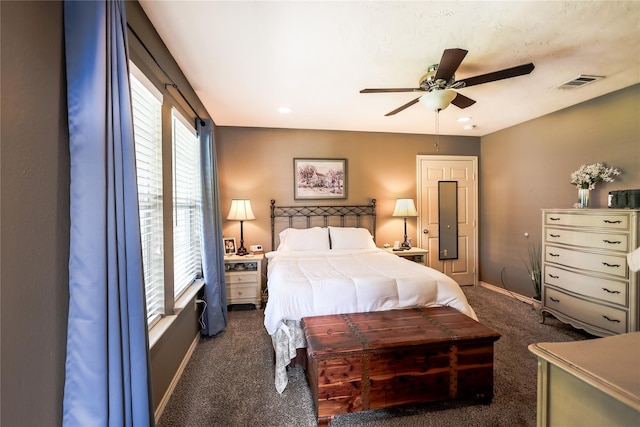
176	378
503	291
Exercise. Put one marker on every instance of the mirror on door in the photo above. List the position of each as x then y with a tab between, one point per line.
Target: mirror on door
448	219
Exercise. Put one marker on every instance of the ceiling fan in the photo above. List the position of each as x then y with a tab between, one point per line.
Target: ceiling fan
439	82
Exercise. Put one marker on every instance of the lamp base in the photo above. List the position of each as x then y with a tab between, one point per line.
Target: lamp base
242	251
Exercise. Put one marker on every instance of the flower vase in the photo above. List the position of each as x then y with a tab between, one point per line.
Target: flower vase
583	197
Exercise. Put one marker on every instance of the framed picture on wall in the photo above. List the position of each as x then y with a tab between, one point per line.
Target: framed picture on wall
319	179
229	245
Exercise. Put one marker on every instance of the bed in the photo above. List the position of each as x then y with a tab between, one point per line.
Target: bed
324	260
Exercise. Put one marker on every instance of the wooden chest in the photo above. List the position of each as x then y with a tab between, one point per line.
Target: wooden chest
364	361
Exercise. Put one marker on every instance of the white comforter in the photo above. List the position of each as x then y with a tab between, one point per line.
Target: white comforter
313	283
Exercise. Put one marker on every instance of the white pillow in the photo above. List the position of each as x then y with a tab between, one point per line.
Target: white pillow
351	238
307	239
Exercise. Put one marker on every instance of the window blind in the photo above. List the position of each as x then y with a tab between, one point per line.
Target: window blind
186	204
146	101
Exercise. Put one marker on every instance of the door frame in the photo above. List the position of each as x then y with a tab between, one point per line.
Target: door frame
419	191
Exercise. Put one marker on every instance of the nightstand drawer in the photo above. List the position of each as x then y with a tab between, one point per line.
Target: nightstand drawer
249	277
609	241
618	222
604	317
615	265
240	292
595	287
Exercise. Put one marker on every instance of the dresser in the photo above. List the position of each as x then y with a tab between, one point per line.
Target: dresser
243	275
586	281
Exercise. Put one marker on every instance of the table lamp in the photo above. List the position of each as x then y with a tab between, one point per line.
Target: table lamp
241	211
405	208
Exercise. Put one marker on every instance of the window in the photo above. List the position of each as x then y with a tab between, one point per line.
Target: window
186	204
146	102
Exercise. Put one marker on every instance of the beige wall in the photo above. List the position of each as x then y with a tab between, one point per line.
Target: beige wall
526	168
258	164
35	214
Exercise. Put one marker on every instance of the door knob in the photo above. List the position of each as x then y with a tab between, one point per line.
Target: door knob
425	231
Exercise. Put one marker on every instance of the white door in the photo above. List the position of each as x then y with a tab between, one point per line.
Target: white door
463	169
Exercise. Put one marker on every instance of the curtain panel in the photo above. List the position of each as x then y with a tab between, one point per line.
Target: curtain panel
215	319
107	381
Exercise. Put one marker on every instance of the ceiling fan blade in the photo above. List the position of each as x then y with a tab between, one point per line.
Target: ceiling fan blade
405	106
400	89
507	73
462	101
449	63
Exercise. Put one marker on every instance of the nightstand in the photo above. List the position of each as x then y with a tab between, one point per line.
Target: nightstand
243	275
418	255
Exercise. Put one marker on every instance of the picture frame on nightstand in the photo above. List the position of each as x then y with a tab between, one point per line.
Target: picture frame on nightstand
229	244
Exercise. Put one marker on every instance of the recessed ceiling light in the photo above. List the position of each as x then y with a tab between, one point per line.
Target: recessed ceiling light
469	127
464	119
284	110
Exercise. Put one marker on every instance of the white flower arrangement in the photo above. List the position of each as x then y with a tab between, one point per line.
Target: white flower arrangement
588	175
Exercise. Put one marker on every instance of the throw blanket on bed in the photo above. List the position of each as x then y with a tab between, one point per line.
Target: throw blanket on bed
314	283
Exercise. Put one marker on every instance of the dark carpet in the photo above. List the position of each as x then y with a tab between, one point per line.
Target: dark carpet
229	379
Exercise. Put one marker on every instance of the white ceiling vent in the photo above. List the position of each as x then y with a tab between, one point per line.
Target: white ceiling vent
579	81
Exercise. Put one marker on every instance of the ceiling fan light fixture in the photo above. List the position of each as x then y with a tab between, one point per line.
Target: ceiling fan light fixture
438	99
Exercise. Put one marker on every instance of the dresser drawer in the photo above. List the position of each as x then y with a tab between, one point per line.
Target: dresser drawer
615	265
611	291
612	221
609	241
241	278
238	293
608	318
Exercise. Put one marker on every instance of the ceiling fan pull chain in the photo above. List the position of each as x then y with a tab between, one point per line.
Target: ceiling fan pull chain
435	144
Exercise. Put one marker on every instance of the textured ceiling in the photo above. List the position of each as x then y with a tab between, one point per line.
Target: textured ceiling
246	59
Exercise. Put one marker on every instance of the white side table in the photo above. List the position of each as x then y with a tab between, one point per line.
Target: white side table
593	382
243	275
418	255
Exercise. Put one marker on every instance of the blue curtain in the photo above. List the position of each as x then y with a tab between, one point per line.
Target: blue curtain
107	381
215	318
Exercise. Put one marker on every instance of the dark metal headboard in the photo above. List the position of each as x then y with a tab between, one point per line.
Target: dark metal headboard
322	216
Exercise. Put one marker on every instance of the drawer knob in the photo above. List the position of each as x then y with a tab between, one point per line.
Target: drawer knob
610	265
239	292
612	242
611	320
611	292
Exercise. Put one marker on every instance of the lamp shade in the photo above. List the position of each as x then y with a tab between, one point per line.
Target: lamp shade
241	210
405	208
438	99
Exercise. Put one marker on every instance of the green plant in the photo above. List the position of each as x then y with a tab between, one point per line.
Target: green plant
534	269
